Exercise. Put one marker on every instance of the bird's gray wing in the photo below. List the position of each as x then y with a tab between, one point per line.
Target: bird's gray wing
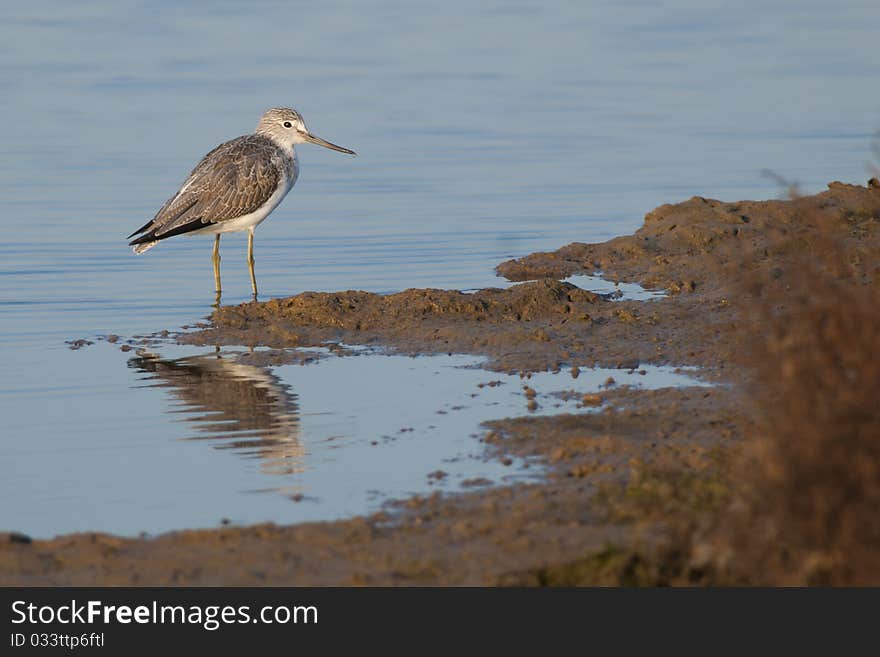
232	180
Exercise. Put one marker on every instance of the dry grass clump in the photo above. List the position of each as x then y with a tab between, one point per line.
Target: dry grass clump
806	490
801	497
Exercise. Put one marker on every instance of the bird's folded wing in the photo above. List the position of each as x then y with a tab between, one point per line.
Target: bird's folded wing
233	180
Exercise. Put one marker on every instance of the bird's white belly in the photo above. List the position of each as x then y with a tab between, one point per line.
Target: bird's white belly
252	220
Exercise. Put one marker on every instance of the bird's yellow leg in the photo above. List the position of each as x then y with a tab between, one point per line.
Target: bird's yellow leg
251	262
216	260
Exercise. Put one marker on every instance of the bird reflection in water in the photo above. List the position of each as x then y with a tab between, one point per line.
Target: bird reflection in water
243	407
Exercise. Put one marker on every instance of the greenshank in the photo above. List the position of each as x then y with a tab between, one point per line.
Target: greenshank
235	187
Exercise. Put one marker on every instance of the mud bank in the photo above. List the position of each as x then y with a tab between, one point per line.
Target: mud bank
613	472
699	251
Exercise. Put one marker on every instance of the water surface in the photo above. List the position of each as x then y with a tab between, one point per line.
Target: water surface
485	131
180	437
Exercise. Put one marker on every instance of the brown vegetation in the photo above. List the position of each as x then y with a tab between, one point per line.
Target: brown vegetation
807	486
797	504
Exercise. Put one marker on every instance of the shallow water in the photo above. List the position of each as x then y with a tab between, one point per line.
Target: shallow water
485	130
185	437
616	290
612	290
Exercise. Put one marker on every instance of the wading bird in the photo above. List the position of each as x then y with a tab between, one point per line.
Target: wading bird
235	187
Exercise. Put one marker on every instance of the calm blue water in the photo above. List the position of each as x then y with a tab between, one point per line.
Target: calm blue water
485	131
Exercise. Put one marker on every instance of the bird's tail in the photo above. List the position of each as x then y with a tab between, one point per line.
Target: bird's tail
143	246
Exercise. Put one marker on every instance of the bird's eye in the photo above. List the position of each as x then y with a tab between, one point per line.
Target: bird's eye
288	124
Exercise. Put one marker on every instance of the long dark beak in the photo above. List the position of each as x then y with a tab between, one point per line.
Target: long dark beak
326	144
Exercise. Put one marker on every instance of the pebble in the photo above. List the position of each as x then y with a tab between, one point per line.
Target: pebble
477	481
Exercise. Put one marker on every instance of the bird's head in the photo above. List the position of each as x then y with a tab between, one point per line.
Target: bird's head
286	127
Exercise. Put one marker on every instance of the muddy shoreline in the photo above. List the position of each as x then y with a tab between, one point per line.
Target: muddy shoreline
641	446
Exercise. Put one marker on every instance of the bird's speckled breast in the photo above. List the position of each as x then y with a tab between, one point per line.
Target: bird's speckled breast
293	168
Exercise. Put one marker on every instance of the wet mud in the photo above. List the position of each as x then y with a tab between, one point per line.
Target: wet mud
703	252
